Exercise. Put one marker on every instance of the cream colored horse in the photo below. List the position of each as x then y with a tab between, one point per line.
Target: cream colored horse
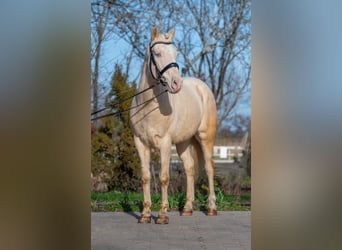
180	111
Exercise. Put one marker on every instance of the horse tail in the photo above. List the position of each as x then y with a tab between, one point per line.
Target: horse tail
197	155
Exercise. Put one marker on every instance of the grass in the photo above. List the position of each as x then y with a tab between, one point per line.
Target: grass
133	202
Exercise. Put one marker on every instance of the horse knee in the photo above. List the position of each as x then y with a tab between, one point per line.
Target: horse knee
164	179
146	180
146	176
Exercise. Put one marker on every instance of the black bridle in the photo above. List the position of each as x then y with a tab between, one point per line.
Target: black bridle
160	73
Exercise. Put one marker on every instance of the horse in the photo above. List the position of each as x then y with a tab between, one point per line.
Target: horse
172	110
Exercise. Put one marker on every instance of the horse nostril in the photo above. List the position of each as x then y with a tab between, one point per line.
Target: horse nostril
175	84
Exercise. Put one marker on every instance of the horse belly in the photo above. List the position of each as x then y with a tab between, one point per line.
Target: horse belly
187	121
184	134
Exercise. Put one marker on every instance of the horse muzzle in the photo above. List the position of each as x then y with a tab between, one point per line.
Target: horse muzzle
175	86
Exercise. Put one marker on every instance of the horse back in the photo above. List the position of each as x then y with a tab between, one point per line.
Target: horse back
204	95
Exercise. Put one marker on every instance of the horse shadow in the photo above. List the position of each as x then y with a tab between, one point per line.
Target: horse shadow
136	215
127	208
133	214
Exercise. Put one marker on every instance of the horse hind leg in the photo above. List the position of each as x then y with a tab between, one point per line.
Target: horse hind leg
184	152
207	149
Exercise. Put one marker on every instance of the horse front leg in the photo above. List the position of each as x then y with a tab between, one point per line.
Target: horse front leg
144	155
165	151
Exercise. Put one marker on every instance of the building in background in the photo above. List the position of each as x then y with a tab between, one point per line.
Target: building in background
226	149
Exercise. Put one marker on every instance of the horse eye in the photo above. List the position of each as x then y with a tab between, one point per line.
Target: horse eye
157	53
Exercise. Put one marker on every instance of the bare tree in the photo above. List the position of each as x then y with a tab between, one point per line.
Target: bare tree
213	38
101	31
220	55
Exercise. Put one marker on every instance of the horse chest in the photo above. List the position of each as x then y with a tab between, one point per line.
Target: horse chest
151	130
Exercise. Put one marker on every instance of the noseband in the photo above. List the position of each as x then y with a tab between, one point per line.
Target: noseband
160	73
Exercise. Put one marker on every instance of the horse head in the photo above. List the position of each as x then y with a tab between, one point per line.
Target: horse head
162	64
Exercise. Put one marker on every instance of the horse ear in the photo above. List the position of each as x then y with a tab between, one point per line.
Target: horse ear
171	33
154	33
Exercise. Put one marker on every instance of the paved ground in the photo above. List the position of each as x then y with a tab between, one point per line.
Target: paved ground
119	230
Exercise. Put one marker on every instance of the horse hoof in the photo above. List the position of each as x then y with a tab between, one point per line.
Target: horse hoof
211	212
144	219
186	212
162	219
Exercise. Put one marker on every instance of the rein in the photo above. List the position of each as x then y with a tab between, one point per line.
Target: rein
127	99
160	73
119	112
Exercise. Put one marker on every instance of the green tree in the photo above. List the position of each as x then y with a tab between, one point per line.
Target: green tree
112	144
126	164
